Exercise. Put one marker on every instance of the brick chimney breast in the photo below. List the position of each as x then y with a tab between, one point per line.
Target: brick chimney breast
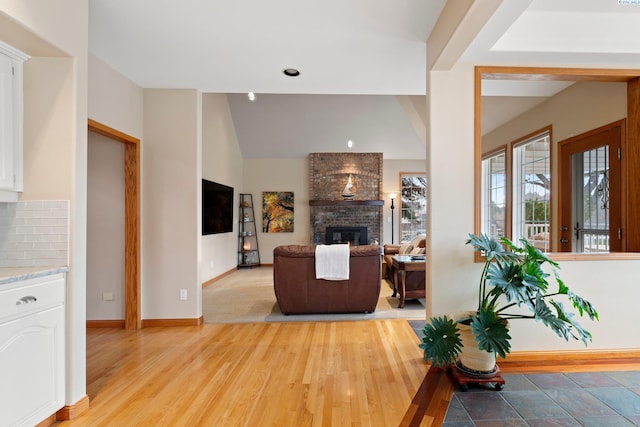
328	175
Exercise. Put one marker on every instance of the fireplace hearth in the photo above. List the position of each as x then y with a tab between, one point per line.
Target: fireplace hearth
352	235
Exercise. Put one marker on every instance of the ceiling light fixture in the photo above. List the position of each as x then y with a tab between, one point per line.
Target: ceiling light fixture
291	72
349	143
251	96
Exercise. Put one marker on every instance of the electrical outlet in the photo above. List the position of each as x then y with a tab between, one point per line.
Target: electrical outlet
211	264
107	296
183	294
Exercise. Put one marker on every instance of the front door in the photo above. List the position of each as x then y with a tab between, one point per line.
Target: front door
590	191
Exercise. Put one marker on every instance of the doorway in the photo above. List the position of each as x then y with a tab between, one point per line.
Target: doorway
132	312
591	210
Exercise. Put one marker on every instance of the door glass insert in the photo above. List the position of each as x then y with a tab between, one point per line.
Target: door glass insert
592	200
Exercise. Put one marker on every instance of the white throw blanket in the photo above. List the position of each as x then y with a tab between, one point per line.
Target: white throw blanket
332	262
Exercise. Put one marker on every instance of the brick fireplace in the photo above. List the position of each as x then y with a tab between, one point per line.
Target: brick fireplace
328	175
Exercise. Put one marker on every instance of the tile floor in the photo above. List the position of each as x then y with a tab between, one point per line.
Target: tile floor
602	399
592	399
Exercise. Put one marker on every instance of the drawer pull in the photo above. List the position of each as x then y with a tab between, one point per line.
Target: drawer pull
26	300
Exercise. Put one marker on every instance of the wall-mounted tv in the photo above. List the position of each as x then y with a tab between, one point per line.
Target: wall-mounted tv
217	208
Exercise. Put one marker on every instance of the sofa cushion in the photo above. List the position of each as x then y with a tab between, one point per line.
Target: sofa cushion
405	248
418	251
419	241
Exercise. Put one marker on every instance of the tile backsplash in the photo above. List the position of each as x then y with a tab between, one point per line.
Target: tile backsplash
34	233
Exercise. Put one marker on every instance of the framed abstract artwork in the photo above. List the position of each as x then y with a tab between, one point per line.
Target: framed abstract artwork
277	212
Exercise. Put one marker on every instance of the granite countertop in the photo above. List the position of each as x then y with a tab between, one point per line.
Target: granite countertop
14	274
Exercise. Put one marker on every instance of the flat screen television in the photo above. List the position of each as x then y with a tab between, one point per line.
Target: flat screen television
217	208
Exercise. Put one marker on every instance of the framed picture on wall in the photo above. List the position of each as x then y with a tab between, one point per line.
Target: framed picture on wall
277	212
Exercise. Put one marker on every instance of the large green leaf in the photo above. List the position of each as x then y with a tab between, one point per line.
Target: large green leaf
581	333
507	280
534	277
544	314
441	342
491	333
490	248
583	306
579	303
531	253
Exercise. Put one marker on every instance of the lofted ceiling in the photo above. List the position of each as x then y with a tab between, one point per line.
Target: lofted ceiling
289	125
362	62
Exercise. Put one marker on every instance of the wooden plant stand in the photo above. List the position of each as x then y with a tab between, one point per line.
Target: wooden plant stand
463	380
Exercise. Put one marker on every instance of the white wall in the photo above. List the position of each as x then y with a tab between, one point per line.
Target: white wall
221	163
117	102
581	107
114	100
452	274
171	172
48	138
62	25
279	175
105	228
450	208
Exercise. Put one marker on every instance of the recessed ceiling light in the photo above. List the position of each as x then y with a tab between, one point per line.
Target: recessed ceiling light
251	96
291	72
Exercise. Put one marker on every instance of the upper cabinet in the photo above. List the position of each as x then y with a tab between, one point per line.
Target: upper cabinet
11	122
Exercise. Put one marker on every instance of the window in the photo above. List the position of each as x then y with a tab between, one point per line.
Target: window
413	209
594	189
494	198
532	190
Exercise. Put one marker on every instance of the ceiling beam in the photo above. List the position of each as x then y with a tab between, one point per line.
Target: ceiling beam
458	25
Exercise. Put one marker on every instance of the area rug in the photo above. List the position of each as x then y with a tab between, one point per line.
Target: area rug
246	296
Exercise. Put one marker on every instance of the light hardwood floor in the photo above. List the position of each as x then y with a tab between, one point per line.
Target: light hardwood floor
362	373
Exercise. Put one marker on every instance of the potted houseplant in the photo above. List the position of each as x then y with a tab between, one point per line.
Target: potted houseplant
513	285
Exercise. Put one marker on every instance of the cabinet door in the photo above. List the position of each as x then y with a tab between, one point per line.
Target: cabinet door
6	124
32	367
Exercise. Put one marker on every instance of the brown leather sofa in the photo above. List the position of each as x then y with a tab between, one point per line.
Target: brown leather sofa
299	292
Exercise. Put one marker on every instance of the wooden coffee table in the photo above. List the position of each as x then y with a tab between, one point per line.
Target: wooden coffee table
403	264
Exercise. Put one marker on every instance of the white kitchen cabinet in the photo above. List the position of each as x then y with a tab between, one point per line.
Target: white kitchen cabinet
32	349
11	122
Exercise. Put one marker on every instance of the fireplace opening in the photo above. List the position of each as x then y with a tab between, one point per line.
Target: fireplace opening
353	235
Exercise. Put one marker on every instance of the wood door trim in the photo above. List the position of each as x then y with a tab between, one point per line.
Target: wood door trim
631	166
557	74
133	318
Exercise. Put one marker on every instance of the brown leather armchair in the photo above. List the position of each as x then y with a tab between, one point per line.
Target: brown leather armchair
412	280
